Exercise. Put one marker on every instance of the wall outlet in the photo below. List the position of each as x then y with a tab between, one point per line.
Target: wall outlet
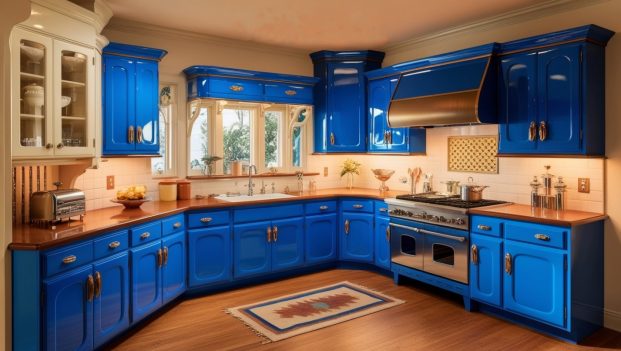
325	171
584	185
110	182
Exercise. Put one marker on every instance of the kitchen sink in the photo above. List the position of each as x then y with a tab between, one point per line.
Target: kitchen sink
256	197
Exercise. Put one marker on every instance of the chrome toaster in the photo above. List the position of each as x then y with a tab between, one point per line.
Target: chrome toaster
53	206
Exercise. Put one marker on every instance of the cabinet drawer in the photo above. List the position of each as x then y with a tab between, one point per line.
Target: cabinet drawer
486	225
536	234
287	92
320	207
111	244
381	209
66	258
357	205
235	87
173	224
146	233
267	213
208	219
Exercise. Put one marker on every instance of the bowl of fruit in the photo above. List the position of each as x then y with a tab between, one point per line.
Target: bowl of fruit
132	197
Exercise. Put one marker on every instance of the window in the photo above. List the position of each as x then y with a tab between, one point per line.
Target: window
164	165
236	136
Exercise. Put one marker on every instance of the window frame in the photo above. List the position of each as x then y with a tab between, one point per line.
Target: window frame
170	159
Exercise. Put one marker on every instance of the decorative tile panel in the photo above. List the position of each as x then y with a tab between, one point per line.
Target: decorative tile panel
475	154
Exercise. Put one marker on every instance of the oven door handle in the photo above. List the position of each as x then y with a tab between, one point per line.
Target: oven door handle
461	239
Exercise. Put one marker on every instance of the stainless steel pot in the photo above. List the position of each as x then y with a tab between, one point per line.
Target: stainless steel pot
471	192
452	187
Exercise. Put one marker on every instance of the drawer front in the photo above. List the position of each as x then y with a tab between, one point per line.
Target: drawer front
487	225
146	233
361	205
267	213
208	219
381	209
288	92
227	87
173	224
111	244
67	258
320	207
539	234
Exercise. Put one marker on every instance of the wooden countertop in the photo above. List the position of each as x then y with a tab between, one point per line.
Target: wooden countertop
565	218
30	237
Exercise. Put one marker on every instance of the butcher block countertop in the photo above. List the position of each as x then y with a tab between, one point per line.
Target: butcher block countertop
565	218
106	220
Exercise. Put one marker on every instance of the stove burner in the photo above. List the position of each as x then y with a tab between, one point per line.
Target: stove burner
452	201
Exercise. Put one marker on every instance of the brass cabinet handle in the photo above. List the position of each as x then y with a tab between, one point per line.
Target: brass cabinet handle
90	288
130	134
332	139
532	131
484	227
139	135
49	146
206	220
177	225
269	234
508	263
474	254
347	226
542	237
543	130
323	208
385	137
291	92
358	206
165	254
388	234
236	88
389	137
145	235
114	244
160	258
275	233
97	292
69	259
60	145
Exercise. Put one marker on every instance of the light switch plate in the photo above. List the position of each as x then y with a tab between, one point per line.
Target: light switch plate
110	182
584	185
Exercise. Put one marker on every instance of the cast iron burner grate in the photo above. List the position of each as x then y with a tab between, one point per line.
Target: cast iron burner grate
452	201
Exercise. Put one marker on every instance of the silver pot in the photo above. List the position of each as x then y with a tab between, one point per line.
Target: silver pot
452	187
473	193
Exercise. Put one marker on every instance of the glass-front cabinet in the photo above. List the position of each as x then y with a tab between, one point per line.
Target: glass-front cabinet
53	97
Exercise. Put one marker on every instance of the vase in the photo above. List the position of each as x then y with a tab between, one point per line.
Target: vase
350	181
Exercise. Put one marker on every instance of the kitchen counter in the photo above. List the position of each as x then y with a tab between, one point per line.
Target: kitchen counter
565	218
31	237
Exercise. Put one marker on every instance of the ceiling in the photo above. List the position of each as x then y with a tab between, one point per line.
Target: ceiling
314	24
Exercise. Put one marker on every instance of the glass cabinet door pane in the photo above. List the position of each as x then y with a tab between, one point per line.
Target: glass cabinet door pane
33	101
74	98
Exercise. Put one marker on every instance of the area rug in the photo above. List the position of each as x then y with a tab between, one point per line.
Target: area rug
295	314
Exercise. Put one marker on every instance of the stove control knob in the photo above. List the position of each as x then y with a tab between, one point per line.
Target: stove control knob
436	219
410	214
460	221
443	219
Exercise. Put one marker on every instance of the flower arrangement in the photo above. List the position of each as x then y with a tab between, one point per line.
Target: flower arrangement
349	168
210	163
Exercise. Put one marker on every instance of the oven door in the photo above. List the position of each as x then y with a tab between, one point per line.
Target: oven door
446	253
407	246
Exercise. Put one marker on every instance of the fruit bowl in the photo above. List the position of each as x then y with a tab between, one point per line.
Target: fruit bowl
130	203
383	175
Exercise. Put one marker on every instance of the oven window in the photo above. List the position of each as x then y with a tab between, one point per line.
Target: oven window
443	254
408	245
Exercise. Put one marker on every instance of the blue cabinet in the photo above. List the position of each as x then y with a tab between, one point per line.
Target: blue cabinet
340	123
130	100
287	243
209	256
146	279
252	248
356	242
111	297
173	266
486	269
382	242
381	137
320	232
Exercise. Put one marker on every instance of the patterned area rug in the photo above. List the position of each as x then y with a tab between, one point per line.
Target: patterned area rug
299	313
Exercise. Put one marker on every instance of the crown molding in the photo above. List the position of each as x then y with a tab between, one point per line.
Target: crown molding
129	26
516	16
97	18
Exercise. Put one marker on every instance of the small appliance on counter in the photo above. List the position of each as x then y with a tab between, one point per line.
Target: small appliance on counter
546	199
49	207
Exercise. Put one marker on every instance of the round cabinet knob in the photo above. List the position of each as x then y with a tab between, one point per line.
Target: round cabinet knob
49	146
60	146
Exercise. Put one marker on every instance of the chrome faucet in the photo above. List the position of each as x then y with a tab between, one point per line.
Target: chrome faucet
250	183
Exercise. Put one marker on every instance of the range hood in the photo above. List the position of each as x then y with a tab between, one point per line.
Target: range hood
453	89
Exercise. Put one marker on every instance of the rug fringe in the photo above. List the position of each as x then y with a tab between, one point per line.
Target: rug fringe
265	339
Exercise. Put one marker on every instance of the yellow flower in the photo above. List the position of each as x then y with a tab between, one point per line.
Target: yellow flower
350	166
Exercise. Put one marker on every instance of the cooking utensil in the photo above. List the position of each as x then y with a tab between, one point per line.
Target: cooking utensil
471	192
452	187
414	174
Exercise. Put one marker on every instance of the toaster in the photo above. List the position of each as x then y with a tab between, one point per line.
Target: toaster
55	205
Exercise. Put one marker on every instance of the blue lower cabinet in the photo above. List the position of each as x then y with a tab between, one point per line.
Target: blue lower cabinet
287	243
356	243
69	310
173	266
320	240
535	282
146	279
382	242
111	297
252	248
209	256
486	269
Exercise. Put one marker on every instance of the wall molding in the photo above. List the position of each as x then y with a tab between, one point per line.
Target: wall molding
539	10
612	319
98	18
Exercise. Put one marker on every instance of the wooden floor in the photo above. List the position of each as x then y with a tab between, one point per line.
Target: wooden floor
429	320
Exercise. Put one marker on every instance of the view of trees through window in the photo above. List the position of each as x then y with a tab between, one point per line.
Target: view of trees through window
236	136
272	138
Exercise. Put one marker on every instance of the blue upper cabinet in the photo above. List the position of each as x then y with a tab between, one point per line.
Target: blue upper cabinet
245	85
130	100
340	122
551	92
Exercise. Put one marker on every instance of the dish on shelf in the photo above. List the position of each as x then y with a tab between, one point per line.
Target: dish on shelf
34	54
34	97
131	203
65	101
72	63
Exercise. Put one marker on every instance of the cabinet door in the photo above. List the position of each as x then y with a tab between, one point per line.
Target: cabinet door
119	106
486	269
251	249
146	279
346	107
173	266
287	243
209	253
559	100
147	102
111	303
357	237
382	242
379	98
517	91
535	282
320	238
69	310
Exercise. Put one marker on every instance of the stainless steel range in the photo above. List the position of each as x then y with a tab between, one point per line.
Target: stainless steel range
430	233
